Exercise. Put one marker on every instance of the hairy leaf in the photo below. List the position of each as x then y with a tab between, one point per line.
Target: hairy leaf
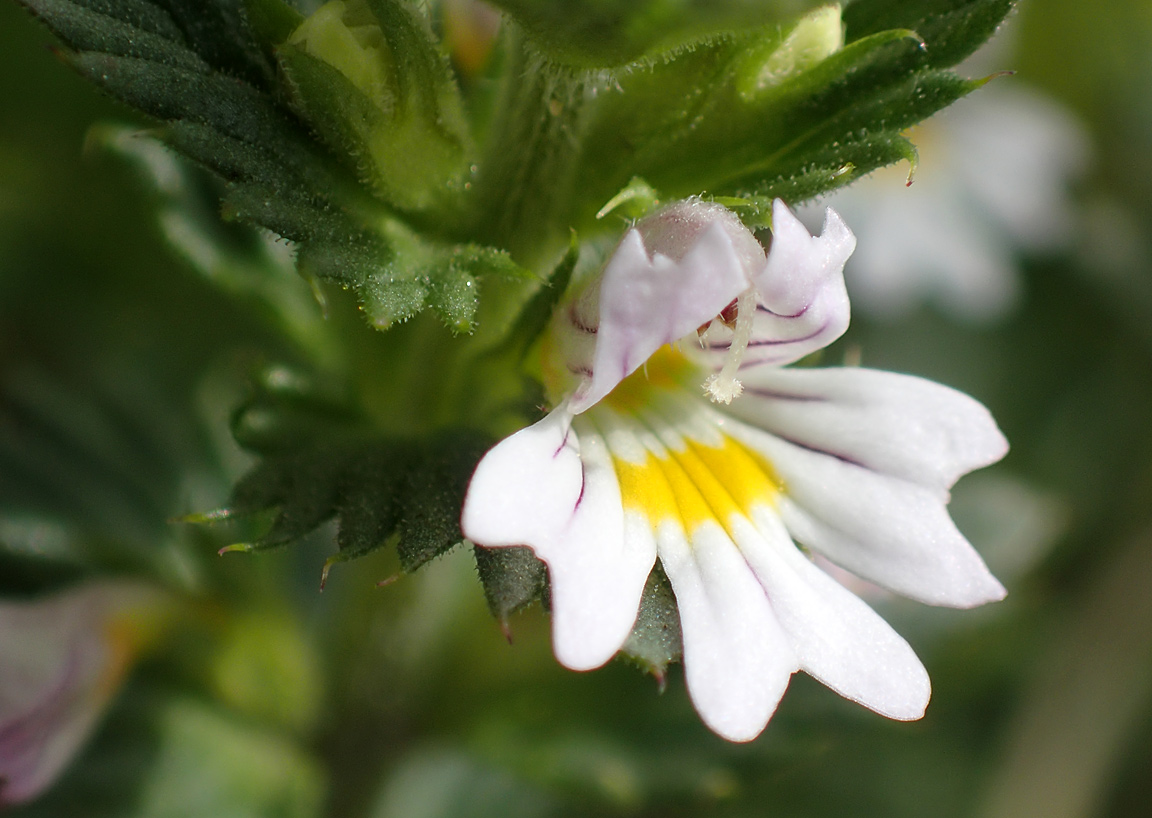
203	70
606	33
714	120
322	461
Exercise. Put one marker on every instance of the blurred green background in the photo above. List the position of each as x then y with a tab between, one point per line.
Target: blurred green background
406	702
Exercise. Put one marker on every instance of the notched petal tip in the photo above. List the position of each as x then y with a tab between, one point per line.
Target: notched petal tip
552	488
837	234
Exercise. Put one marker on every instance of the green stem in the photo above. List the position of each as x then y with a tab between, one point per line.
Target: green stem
525	176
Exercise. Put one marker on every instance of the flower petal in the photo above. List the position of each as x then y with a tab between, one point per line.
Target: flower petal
885	529
737	659
802	303
837	638
647	302
894	424
552	487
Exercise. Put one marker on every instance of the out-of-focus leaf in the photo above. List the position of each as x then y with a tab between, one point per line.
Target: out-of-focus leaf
208	763
450	784
265	666
242	260
90	471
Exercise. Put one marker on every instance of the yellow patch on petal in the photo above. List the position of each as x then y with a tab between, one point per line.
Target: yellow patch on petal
667	368
697	484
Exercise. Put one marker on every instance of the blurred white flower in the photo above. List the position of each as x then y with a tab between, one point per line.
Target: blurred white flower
993	182
635	463
62	659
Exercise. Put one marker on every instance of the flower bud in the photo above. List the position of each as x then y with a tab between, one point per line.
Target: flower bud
369	78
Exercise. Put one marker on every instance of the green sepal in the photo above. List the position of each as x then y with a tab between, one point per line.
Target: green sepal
656	641
513	579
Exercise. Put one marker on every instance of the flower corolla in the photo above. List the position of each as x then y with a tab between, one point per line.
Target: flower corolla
64	658
677	435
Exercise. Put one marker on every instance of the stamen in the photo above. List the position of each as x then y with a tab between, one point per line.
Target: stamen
723	386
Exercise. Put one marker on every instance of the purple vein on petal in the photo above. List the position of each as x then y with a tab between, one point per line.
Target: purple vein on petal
843	458
773	394
720	346
803	310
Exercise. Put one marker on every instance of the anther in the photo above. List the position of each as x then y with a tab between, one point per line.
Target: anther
723	386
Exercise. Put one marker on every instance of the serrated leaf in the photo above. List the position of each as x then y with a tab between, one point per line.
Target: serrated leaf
197	67
217	31
376	488
370	509
431	522
85	28
381	490
686	125
953	29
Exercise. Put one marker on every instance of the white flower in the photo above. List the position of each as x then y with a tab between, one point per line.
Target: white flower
993	181
64	657
635	462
